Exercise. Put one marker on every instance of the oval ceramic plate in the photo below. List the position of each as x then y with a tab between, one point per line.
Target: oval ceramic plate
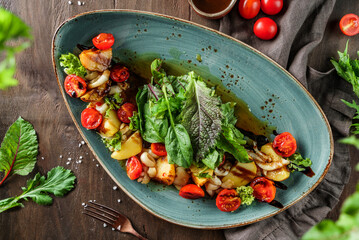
271	93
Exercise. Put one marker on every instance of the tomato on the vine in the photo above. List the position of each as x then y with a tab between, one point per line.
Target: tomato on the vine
249	8
271	7
126	111
265	28
133	168
75	86
228	200
349	24
191	191
284	144
263	189
91	118
103	41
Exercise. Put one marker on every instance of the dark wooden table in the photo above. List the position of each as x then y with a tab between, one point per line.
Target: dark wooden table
38	100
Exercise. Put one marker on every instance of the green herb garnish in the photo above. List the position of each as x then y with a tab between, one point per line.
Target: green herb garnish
298	163
245	194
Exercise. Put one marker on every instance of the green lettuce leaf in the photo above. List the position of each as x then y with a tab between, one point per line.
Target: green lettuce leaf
113	143
11	28
135	122
72	65
19	149
201	116
113	101
59	181
298	163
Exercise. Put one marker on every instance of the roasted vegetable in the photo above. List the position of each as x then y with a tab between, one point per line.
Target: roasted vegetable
95	59
241	174
200	175
278	175
165	172
96	94
110	125
131	147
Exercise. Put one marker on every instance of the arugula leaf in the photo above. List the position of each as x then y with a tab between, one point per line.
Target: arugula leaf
298	163
72	65
177	141
113	101
245	194
11	28
19	149
59	181
135	122
201	116
347	68
113	143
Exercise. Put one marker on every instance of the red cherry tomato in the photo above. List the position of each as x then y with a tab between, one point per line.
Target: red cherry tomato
249	8
263	189
191	191
91	118
159	149
284	144
119	73
103	41
133	168
228	200
349	24
271	7
125	112
75	86
265	28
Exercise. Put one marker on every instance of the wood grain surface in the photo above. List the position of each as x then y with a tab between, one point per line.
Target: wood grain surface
38	100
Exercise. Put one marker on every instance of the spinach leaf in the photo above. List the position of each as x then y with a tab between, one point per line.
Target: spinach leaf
177	141
201	116
19	149
213	158
155	129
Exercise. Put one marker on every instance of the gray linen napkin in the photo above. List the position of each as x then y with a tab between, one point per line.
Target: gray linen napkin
302	25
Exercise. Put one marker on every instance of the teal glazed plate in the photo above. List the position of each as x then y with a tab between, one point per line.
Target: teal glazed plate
271	93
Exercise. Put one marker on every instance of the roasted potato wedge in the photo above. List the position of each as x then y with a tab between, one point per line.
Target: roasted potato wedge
241	174
195	171
165	172
110	125
95	59
131	147
278	175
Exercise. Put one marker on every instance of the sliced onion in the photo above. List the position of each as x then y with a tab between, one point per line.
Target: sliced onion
99	81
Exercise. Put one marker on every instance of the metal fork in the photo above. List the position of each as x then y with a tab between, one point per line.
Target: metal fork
111	217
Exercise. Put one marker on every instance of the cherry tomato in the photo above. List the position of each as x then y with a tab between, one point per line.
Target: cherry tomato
349	24
103	41
271	7
133	168
91	118
125	112
75	86
265	28
119	73
191	191
284	144
228	200
249	8
263	189
159	149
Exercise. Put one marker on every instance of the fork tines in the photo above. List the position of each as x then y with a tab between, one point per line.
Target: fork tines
101	212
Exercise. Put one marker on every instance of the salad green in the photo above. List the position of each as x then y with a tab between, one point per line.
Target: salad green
72	65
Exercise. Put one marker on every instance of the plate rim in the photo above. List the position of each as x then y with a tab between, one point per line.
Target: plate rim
171	18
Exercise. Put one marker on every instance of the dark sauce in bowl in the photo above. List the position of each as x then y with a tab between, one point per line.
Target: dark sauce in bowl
211	6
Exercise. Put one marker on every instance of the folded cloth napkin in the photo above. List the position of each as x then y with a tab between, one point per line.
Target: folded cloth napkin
302	25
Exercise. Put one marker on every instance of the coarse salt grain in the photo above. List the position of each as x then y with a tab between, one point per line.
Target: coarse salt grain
114	188
104	225
96	165
69	2
93	160
69	159
80	145
118	200
119	228
67	163
42	158
83	3
83	204
80	157
113	229
80	161
60	156
79	3
83	142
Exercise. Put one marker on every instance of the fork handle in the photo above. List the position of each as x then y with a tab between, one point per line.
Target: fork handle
133	232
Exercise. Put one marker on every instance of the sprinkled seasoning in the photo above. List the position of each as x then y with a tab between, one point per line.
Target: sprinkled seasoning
104	225
67	163
118	200
60	156
79	3
80	157
114	188
83	142
69	2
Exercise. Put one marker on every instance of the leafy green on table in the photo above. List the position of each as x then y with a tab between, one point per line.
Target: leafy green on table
18	150
298	163
12	28
348	69
59	181
345	228
245	194
72	65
